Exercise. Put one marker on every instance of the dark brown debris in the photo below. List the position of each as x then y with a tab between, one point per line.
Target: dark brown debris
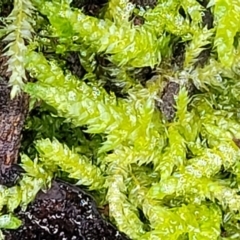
64	212
12	116
167	104
89	7
137	20
178	56
74	65
6	7
144	3
237	142
207	20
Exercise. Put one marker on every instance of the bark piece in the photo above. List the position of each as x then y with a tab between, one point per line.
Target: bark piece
12	116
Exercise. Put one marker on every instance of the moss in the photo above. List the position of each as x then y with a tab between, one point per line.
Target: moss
167	173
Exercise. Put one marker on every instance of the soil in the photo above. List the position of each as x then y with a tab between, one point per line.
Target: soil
64	212
73	64
89	7
207	20
144	3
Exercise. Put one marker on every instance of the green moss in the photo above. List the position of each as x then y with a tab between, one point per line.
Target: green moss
162	180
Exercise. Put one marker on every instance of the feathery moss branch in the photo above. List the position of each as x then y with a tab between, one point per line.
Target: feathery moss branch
18	31
127	46
119	11
36	178
124	213
79	167
90	106
227	21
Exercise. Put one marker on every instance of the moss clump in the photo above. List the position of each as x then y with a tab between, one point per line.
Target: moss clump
165	175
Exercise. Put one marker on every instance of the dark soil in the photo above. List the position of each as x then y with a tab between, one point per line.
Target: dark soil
207	20
89	7
73	64
144	3
178	56
5	7
64	212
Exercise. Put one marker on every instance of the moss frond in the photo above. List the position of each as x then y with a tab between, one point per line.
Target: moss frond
226	19
35	179
127	46
79	167
119	11
19	30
